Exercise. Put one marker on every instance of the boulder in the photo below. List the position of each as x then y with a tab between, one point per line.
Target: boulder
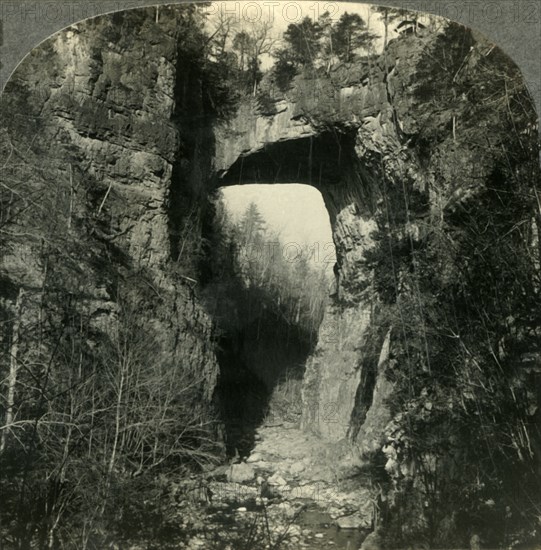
372	542
296	468
254	457
241	473
354	521
277	479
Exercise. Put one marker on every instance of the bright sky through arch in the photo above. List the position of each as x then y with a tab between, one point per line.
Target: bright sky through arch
296	212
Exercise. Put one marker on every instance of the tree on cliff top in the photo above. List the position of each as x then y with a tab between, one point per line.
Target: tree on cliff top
349	34
312	44
389	16
302	40
250	44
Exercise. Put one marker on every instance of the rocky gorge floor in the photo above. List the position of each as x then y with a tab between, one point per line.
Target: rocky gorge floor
292	491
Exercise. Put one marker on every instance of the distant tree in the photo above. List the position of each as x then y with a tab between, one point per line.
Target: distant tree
258	42
303	41
388	16
301	47
241	45
327	47
254	73
224	26
284	69
348	35
252	224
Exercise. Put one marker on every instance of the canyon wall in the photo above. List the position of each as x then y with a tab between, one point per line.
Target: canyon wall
90	134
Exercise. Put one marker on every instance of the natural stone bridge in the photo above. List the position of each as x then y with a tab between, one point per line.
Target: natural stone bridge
114	122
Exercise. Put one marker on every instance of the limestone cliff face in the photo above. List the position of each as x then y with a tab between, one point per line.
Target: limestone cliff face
112	101
91	113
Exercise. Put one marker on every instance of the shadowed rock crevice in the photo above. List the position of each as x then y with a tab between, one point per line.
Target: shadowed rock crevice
242	397
321	160
263	345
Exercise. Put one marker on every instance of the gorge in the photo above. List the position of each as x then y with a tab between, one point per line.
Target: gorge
116	133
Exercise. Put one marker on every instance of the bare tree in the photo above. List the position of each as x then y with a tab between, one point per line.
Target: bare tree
224	25
260	43
13	370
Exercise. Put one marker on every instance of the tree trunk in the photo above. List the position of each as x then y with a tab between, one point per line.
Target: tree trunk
386	36
71	197
116	437
13	369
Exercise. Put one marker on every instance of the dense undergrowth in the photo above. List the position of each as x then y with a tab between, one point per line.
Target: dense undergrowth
456	268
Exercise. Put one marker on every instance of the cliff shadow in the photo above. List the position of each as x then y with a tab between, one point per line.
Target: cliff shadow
266	293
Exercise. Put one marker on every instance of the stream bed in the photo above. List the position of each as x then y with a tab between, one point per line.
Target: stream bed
292	492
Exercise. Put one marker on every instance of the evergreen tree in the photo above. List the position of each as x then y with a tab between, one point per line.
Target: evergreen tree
252	224
349	34
284	69
327	45
242	45
389	16
302	41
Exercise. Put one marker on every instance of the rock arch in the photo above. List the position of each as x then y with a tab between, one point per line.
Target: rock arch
111	122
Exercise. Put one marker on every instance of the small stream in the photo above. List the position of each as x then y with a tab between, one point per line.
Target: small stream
311	529
327	533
